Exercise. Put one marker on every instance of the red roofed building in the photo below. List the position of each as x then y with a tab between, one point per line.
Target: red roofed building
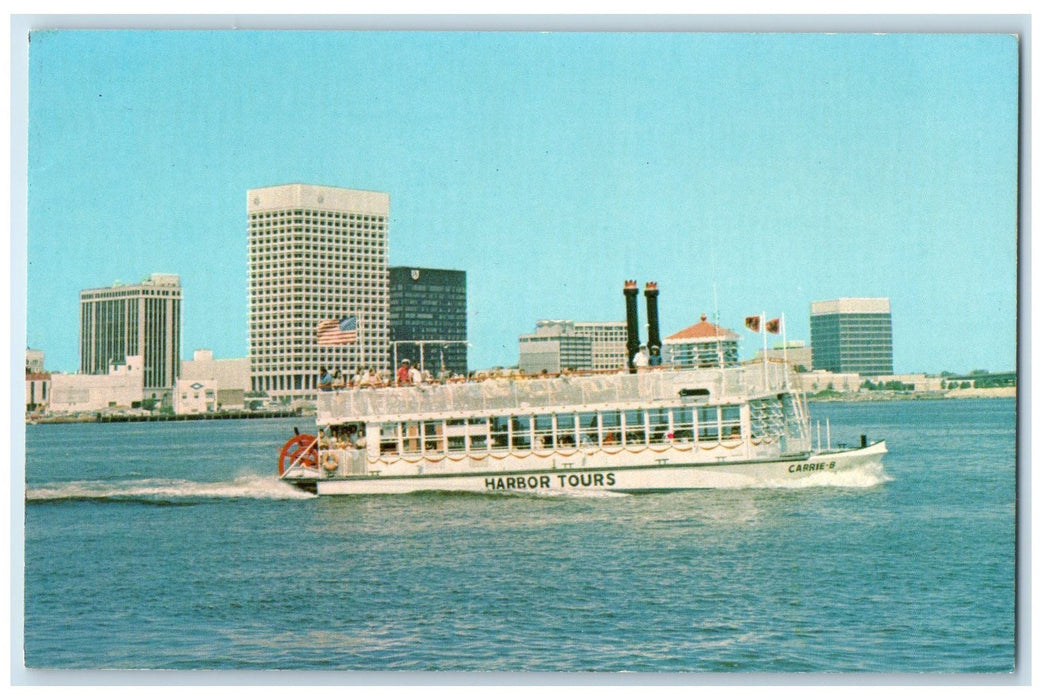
701	345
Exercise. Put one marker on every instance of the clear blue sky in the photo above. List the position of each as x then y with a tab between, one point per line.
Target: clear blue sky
778	169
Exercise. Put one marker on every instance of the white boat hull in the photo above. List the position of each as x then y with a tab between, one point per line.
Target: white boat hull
633	478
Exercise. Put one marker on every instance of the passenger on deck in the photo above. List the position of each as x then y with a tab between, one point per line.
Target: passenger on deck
640	360
404	376
655	360
415	377
370	378
356	436
352	435
325	380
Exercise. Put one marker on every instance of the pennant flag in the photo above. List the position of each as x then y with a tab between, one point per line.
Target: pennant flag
753	323
337	331
774	325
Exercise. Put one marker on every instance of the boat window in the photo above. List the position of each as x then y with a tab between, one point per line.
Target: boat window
731	421
522	432
544	431
500	430
635	430
611	427
658	424
708	427
566	429
588	429
683	424
432	434
410	437
477	431
389	438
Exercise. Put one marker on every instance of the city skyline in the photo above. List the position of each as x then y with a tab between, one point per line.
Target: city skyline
742	172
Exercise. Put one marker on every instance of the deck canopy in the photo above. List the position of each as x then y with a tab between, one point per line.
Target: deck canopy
728	384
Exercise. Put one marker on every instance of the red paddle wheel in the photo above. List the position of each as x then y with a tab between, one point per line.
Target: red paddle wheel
300	449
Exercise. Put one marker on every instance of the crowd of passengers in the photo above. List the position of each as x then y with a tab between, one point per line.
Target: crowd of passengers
408	375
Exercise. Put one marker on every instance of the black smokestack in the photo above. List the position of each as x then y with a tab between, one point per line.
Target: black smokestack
632	332
651	294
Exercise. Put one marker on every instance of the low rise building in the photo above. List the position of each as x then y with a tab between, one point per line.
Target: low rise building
229	378
34	361
123	387
912	382
823	380
795	352
195	396
37	391
37	382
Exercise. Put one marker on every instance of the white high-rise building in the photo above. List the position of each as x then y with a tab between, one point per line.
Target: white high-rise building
315	253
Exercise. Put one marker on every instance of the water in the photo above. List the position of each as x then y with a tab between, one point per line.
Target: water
173	546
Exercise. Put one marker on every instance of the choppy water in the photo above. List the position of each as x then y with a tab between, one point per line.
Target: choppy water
173	546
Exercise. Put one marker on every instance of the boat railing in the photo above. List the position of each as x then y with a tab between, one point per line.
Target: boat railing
732	383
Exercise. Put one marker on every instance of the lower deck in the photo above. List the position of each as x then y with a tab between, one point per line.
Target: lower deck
628	475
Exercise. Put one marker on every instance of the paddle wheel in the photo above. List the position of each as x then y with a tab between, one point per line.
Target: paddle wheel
299	451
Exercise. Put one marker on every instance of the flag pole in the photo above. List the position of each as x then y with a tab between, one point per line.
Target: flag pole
361	346
763	331
785	351
716	320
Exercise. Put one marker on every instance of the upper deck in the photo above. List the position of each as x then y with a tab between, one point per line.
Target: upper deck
733	384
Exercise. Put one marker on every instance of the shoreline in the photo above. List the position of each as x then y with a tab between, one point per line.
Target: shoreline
116	418
824	397
883	395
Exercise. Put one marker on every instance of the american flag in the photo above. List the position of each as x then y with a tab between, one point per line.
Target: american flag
335	331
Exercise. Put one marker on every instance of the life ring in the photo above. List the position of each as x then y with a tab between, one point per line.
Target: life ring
330	463
300	449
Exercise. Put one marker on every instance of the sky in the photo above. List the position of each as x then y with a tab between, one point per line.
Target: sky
744	173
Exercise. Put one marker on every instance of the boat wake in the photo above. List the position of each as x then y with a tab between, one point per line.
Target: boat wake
166	491
865	477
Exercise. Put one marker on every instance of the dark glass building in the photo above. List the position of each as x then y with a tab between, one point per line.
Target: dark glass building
429	306
852	335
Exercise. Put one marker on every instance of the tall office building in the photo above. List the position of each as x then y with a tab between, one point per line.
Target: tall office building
430	306
573	345
555	347
607	342
134	319
315	253
852	335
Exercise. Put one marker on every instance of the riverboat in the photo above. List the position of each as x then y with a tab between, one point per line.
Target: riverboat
657	429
